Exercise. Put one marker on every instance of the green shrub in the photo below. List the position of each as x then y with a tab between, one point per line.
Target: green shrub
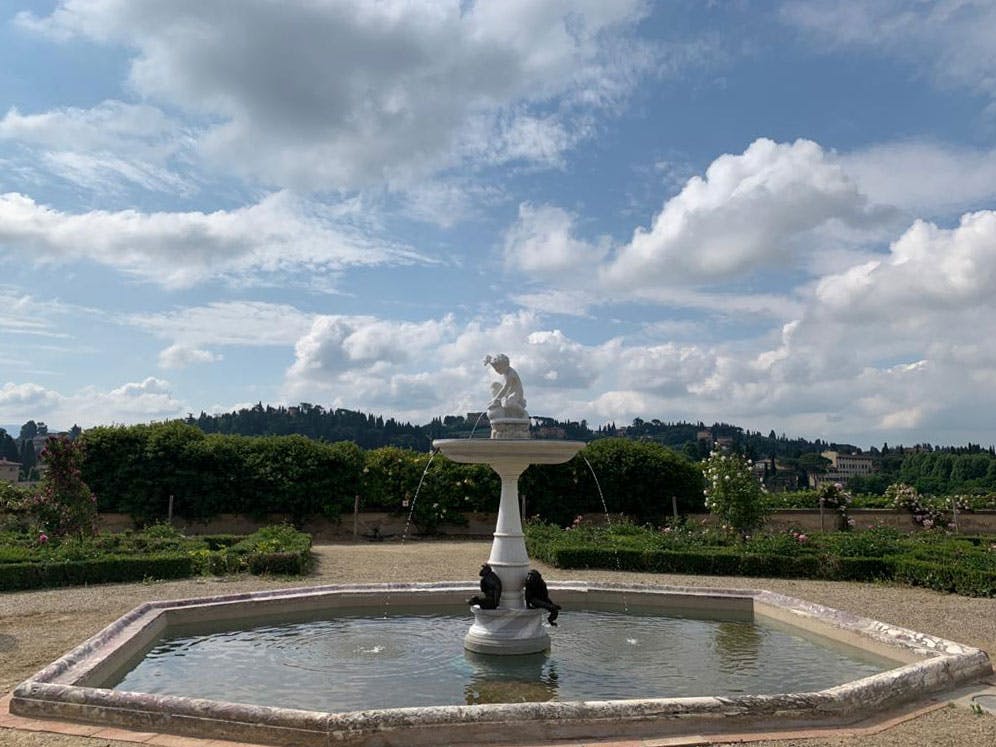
161	552
930	559
869	543
733	492
274	549
283	563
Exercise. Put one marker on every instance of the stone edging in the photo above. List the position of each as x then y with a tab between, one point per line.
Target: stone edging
59	690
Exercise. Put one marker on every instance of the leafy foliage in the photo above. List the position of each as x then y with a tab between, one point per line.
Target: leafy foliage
136	469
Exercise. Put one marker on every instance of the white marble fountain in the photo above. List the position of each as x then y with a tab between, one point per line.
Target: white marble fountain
511	628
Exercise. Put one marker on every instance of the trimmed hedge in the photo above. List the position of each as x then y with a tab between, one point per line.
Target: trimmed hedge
969	582
109	569
141	469
970	577
134	557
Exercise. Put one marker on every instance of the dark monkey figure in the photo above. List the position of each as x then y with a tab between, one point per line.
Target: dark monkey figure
491	586
537	596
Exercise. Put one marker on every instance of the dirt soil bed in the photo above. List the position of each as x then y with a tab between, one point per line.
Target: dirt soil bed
38	627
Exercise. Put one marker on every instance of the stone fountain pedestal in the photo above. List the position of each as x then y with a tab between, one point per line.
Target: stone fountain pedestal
512	628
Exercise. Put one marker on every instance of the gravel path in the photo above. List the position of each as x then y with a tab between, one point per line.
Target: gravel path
38	627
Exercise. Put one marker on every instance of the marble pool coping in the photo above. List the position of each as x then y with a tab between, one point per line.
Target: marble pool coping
71	687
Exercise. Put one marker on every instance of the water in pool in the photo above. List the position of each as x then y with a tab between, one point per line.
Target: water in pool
349	662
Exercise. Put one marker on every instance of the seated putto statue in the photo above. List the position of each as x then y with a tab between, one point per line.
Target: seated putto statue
537	596
508	402
490	587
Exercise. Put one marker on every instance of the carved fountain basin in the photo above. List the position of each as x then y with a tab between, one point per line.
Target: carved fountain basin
78	686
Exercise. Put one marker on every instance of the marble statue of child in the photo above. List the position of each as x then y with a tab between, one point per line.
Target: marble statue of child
509	396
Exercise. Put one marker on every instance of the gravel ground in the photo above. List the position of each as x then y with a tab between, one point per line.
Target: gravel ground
38	627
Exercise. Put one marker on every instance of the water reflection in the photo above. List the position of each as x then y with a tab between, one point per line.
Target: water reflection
531	678
738	646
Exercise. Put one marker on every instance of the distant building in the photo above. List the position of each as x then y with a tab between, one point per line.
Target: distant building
842	468
9	471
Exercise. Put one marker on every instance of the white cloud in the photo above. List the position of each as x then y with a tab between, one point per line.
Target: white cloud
541	244
896	344
22	314
349	94
390	366
775	207
181	356
101	147
104	172
281	233
133	402
15	397
100	128
952	41
748	212
336	344
923	177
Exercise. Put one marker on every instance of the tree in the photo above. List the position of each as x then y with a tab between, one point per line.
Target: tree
28	431
733	493
638	478
8	447
814	463
28	459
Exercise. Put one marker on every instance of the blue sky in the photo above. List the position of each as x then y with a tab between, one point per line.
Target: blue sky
779	215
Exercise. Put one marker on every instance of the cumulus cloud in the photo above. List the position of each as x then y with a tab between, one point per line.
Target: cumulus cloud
281	233
541	243
896	344
749	211
951	41
348	94
142	401
422	369
335	344
772	207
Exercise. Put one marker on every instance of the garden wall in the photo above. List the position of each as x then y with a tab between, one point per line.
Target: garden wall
383	525
371	526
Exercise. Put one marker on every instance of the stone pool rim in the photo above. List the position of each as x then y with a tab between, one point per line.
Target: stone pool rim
925	665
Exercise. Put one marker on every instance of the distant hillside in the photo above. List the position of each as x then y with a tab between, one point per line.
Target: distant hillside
373	431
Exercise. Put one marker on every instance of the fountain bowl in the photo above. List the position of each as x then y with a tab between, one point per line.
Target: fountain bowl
76	688
517	450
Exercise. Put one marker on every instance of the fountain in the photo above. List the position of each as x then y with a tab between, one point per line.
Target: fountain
591	690
512	627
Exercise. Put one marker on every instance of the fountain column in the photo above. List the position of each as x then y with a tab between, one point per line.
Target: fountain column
508	550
